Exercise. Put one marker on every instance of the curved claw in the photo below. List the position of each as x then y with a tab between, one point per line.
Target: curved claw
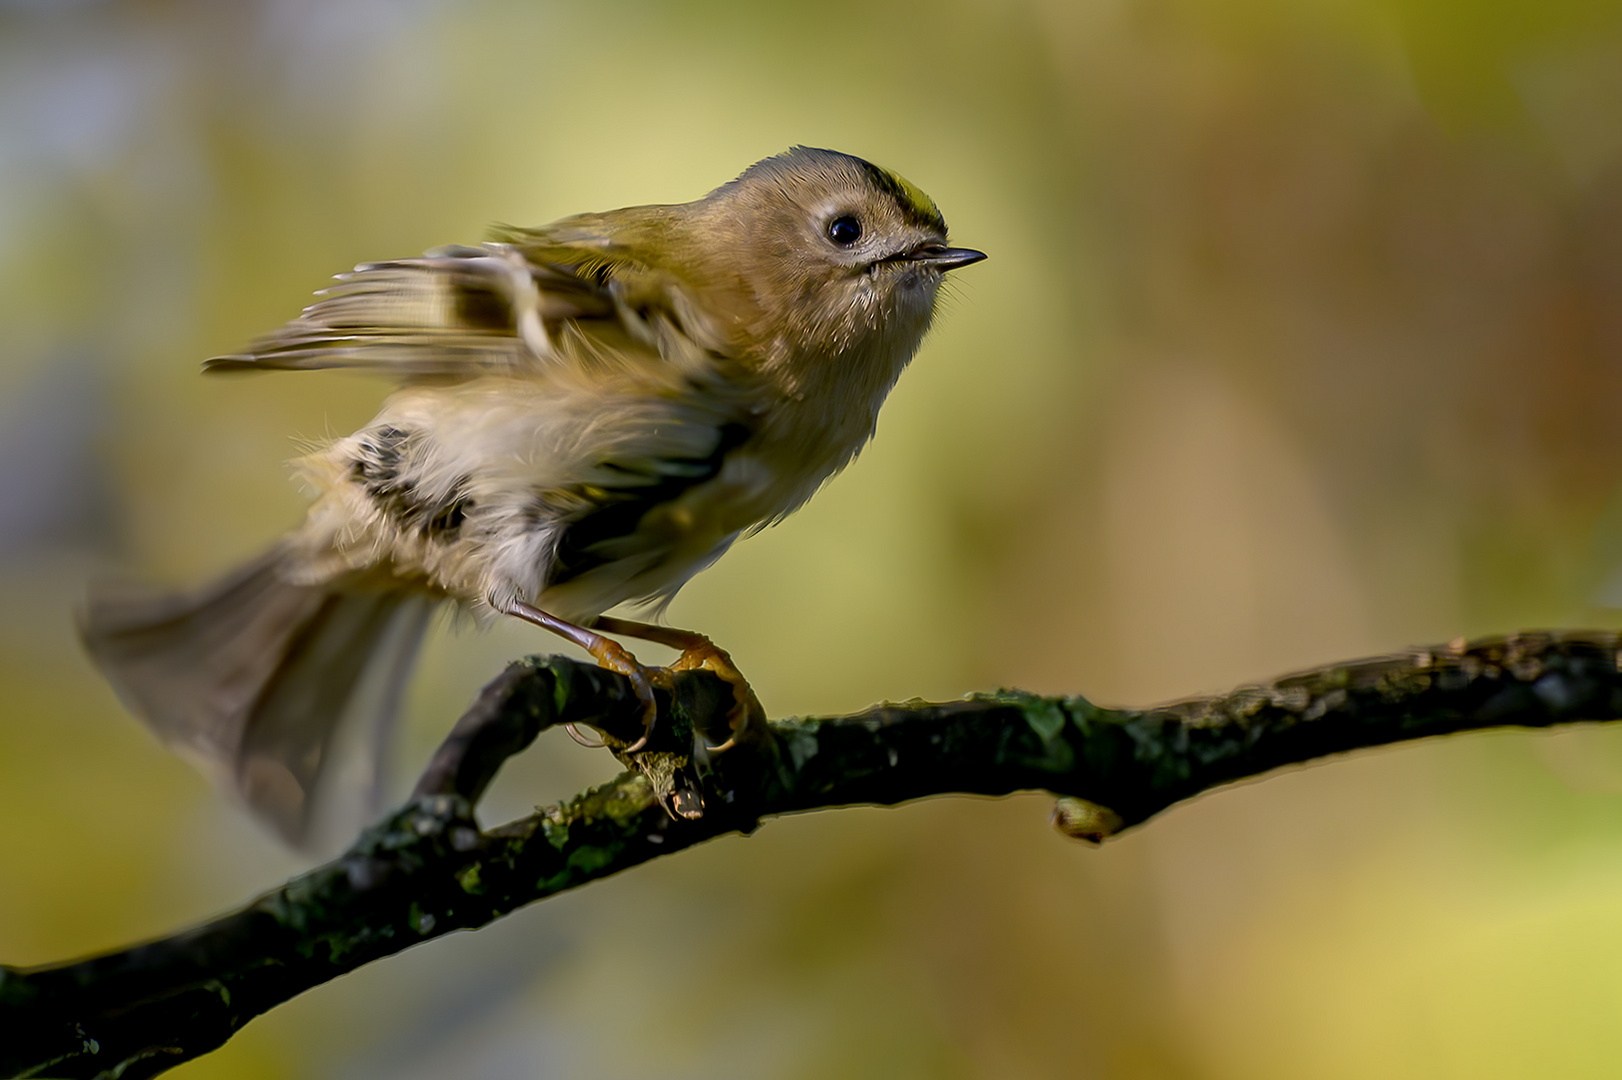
644	693
746	712
746	718
574	733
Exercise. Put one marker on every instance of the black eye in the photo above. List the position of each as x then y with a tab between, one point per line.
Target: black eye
844	231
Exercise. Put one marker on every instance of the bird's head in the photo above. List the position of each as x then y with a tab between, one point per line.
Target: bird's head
841	259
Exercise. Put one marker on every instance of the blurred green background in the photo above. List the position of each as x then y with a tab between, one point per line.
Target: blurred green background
1301	339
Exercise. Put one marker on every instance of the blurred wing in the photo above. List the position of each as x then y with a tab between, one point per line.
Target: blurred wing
636	256
464	311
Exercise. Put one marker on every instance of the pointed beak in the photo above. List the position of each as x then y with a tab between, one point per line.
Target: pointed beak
943	258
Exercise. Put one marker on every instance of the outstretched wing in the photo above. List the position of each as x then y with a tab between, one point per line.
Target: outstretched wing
571	298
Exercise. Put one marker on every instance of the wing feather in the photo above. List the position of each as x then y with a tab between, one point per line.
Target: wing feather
466	311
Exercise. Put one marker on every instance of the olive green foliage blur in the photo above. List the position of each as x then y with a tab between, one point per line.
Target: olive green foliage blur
1301	339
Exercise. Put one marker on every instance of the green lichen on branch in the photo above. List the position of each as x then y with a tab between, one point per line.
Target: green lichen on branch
430	869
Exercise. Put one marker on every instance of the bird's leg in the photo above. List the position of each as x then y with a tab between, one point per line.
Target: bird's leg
746	718
608	653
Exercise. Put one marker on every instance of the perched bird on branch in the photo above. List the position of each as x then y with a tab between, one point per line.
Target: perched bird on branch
590	413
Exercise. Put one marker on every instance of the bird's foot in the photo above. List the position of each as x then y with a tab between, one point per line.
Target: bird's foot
746	720
615	657
747	717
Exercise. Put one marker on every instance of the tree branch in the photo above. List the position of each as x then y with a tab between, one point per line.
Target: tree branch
429	869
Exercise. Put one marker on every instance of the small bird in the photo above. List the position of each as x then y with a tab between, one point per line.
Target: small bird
589	413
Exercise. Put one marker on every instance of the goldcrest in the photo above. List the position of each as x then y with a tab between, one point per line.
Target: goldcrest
589	413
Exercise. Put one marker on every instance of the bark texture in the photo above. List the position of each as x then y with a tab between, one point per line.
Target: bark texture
429	868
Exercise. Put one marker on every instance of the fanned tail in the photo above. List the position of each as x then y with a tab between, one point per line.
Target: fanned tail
254	672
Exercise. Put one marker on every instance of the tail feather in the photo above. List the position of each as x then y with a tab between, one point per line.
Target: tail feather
255	672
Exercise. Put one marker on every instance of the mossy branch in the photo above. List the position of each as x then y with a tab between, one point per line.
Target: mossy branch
430	869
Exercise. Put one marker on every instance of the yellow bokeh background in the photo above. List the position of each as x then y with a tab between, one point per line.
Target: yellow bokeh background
1301	339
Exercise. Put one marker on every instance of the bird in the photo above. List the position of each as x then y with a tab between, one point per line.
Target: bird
587	414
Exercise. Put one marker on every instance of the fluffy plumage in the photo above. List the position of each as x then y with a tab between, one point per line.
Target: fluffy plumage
590	413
